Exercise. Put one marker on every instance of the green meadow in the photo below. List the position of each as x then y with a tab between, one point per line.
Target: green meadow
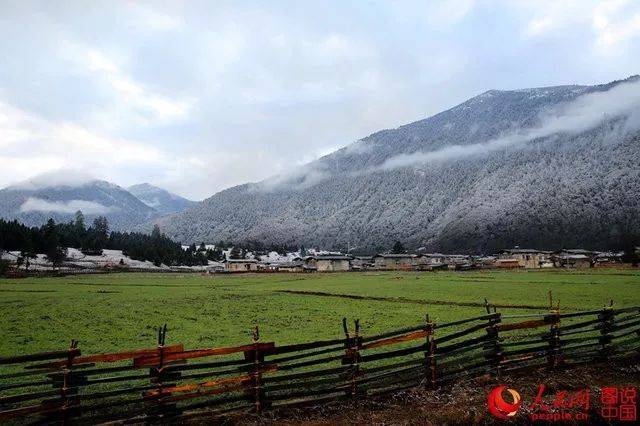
113	312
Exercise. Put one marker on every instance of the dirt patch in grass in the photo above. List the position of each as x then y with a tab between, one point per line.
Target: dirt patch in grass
405	300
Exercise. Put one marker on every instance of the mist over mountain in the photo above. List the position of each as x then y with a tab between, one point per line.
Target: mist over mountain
161	200
61	194
34	202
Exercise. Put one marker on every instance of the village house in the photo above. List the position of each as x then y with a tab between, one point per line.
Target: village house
214	267
607	259
394	261
432	258
573	258
430	262
329	262
431	267
578	251
528	258
293	266
361	263
241	265
265	266
507	264
485	262
457	261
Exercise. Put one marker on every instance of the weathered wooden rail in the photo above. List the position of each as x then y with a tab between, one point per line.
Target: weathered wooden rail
170	382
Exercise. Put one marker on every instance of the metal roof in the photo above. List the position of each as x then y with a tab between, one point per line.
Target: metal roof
524	251
575	256
576	251
395	255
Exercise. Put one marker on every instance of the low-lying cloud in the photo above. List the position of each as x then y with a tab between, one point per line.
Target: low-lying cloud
584	113
34	204
300	178
60	177
310	174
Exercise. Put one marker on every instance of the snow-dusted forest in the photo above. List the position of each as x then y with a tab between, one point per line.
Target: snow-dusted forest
549	168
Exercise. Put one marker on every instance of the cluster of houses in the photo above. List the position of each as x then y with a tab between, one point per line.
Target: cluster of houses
506	259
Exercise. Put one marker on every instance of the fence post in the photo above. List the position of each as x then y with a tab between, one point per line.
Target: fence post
259	396
607	318
352	345
355	357
348	359
158	409
67	381
156	372
430	355
494	355
555	357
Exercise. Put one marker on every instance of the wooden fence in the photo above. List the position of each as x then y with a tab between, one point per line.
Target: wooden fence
170	382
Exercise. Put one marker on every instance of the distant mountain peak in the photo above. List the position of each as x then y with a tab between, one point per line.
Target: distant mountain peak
563	87
54	179
143	186
163	201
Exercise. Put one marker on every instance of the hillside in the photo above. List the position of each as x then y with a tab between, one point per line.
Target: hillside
161	200
546	167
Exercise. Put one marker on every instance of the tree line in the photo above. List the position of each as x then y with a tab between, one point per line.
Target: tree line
52	239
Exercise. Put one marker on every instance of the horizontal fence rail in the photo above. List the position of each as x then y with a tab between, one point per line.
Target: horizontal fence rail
169	382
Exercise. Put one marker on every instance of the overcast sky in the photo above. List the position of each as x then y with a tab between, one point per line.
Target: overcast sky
199	96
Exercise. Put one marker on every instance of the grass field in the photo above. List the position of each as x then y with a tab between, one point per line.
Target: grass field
121	311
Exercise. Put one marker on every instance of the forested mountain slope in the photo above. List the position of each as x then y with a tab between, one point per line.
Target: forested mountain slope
547	167
163	201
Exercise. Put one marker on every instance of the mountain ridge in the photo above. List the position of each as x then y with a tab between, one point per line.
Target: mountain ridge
539	167
163	201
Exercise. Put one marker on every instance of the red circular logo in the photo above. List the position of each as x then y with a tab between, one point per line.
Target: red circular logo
501	408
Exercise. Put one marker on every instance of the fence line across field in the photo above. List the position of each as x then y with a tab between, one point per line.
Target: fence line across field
170	382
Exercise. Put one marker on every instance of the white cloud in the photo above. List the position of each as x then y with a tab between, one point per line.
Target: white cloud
539	26
440	15
152	19
133	93
613	23
34	204
16	169
59	177
114	150
32	146
450	11
545	17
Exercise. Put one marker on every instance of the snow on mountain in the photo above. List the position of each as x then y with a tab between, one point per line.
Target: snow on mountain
163	201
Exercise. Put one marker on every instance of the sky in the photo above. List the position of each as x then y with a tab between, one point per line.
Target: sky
196	97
